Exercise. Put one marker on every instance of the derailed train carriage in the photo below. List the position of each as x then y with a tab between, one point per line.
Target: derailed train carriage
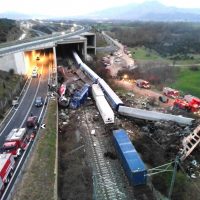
133	165
104	108
110	95
118	105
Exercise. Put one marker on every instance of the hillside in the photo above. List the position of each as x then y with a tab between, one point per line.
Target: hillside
9	30
147	11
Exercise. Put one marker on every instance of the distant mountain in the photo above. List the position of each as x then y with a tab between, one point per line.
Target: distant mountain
14	15
147	11
18	16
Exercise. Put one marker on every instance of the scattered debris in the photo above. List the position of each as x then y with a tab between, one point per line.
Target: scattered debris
110	155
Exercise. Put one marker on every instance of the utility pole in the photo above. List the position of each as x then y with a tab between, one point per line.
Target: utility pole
173	177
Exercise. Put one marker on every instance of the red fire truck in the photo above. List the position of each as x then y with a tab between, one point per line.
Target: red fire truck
16	141
192	100
184	105
7	164
169	92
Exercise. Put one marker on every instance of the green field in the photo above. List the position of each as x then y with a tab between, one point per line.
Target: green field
188	81
142	53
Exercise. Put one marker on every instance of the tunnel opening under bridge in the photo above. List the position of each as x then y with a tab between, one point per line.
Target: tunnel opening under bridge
64	51
38	58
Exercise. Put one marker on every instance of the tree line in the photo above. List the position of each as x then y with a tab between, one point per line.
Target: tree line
9	30
168	39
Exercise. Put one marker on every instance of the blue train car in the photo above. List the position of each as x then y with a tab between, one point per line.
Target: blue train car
132	163
111	96
79	97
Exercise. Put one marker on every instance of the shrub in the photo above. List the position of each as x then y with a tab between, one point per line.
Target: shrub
194	68
11	72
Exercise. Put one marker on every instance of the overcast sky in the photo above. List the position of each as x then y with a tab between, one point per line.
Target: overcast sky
77	7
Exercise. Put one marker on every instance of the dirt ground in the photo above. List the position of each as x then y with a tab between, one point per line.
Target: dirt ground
75	175
141	92
77	164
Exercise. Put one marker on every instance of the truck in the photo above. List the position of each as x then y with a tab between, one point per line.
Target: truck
172	93
142	83
185	105
16	141
192	100
7	165
32	121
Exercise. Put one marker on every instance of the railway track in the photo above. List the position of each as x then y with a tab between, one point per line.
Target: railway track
109	181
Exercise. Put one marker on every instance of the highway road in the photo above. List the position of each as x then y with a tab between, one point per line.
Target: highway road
28	45
37	87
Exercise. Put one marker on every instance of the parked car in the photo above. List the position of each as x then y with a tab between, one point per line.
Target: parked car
39	101
163	99
15	101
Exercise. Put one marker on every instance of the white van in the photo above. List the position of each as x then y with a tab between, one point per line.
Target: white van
35	72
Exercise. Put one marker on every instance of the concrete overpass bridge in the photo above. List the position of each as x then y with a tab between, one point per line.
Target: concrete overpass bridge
22	57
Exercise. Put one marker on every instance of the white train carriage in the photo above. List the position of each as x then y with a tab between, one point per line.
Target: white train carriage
113	99
96	91
105	110
77	58
152	115
92	75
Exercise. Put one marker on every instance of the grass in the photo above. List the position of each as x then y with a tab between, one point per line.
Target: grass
188	81
39	178
184	187
195	60
142	53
